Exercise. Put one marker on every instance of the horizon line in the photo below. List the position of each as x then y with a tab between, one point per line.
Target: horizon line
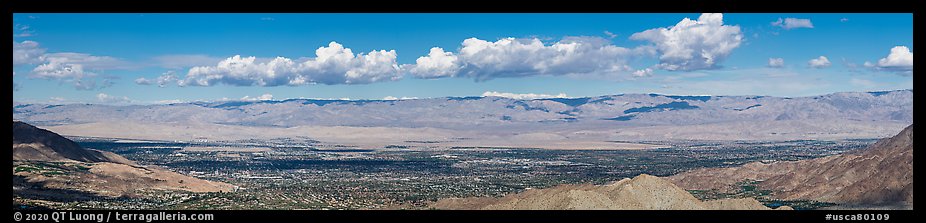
446	97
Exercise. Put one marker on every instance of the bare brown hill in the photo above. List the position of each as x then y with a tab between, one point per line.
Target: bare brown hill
41	157
881	174
31	143
643	192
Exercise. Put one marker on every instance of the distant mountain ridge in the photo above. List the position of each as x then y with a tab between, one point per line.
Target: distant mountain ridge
858	114
644	192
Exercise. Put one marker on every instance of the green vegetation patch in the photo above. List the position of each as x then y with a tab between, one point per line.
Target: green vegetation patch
48	168
750	189
25	168
797	204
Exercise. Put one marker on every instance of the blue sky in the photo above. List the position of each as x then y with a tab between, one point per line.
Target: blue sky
118	58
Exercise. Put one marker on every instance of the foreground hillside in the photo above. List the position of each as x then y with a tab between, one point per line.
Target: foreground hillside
47	166
880	175
643	192
35	144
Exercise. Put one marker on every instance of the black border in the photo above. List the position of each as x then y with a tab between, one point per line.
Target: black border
346	6
625	6
509	216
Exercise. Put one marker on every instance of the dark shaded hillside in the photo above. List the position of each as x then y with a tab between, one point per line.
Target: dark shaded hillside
31	143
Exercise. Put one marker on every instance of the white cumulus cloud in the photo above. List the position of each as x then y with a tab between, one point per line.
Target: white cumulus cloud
73	73
437	64
793	23
27	52
169	101
88	61
143	81
109	99
263	97
68	67
161	81
521	57
59	70
693	44
332	65
820	62
643	72
776	62
392	98
527	96
900	59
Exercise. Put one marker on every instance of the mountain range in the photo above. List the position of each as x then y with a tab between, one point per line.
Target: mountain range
615	117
